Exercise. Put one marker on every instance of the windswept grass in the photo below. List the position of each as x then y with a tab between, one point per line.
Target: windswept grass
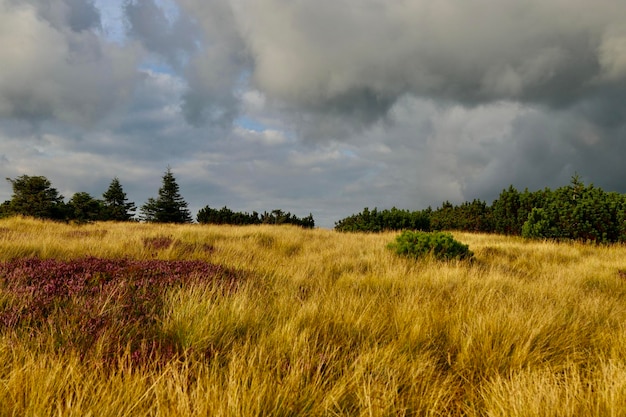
320	323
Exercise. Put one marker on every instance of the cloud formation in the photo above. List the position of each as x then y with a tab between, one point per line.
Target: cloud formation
474	51
325	106
55	66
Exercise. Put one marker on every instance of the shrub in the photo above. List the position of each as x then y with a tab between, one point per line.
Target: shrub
439	245
378	221
577	212
539	225
208	215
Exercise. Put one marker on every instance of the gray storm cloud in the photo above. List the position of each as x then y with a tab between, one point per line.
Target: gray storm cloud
335	69
473	51
216	59
332	64
344	58
175	39
54	64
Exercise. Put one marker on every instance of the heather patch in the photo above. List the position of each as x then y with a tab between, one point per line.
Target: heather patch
157	242
99	304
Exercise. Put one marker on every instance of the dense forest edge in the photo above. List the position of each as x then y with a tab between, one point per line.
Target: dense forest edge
34	196
574	212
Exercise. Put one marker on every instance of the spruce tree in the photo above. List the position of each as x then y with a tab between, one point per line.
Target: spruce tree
169	207
116	205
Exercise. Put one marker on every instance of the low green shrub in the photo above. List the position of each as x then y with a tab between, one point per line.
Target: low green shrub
440	245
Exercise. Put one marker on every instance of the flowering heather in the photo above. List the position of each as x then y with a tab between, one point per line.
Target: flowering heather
157	242
83	299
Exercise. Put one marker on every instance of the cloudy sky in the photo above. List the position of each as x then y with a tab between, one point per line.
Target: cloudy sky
313	106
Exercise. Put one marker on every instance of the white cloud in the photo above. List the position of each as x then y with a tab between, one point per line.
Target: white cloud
612	54
268	136
52	71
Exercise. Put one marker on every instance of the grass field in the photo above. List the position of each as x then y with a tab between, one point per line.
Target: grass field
130	320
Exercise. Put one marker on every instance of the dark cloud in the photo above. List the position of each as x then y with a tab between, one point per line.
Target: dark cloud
76	15
471	52
202	44
83	15
341	65
173	38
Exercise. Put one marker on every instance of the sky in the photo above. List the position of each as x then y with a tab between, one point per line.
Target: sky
321	107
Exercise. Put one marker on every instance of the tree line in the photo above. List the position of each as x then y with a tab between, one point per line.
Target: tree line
227	216
576	211
34	196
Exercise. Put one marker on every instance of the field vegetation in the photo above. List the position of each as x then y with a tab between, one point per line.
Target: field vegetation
132	319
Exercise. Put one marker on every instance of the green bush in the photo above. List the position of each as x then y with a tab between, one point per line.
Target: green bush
539	225
380	220
577	212
441	246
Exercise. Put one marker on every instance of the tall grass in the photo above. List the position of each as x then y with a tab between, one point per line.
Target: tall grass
324	323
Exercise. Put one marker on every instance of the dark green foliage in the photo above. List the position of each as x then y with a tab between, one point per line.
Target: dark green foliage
83	208
578	212
169	207
208	215
34	196
280	217
505	212
5	209
441	246
474	216
378	221
471	217
443	218
539	225
115	204
512	208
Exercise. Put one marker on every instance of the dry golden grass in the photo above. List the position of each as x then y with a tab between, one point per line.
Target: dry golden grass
335	324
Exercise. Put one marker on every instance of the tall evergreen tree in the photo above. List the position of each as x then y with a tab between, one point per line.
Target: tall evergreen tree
116	205
34	196
169	207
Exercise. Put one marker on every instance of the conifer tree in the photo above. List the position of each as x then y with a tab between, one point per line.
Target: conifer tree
83	208
116	205
169	207
34	196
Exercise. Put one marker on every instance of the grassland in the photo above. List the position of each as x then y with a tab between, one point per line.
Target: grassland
293	322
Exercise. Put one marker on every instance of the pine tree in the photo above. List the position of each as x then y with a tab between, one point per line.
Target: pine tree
169	207
116	205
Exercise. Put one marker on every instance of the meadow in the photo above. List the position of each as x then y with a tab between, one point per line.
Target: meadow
129	319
